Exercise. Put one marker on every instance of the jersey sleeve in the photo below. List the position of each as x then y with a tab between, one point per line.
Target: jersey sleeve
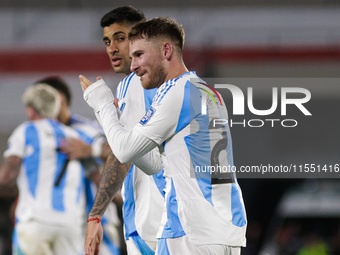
170	112
126	145
16	143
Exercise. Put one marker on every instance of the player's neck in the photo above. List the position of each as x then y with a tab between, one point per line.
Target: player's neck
179	69
36	117
127	74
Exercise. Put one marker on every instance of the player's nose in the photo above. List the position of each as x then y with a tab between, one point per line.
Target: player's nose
113	48
134	65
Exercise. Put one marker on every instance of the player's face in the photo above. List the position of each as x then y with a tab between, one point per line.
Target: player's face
147	62
117	44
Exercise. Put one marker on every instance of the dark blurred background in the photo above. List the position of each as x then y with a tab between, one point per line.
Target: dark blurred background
279	43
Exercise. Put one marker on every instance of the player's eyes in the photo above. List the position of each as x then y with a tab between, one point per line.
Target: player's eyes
121	39
107	43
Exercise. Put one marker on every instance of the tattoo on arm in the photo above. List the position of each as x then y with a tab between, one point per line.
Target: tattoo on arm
111	180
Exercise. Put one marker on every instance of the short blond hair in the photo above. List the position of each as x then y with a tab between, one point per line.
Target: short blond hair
44	99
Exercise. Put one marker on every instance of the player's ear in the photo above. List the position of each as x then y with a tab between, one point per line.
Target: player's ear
167	50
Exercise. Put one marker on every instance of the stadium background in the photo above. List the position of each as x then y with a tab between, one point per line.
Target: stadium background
224	39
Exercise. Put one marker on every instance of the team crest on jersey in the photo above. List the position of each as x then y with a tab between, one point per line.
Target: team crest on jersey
147	116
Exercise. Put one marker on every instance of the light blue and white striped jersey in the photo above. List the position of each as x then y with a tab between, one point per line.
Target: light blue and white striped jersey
208	210
142	194
37	143
86	128
90	130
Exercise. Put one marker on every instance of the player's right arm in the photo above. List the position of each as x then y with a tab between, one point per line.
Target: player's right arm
111	181
9	170
13	156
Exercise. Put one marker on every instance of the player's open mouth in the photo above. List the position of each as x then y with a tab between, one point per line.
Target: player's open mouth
116	61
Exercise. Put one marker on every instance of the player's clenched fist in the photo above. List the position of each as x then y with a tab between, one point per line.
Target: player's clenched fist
97	95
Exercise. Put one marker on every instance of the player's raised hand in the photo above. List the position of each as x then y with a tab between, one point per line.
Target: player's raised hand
93	238
85	83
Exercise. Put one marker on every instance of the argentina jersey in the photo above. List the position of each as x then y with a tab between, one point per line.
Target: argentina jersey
89	130
46	194
142	194
208	209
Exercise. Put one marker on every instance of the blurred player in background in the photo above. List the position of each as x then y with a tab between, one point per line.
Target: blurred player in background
51	204
204	214
142	194
94	148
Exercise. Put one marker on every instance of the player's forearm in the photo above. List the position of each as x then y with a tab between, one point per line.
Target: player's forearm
150	163
130	146
111	180
127	146
106	151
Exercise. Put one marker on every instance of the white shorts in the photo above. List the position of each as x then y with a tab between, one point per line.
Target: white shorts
137	247
183	245
36	238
